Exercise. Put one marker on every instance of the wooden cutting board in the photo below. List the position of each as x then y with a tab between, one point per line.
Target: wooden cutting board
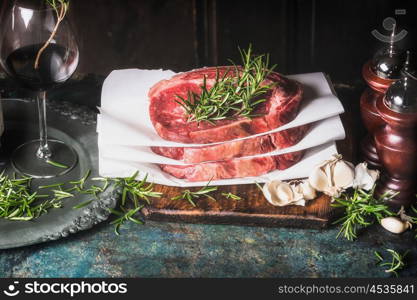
253	209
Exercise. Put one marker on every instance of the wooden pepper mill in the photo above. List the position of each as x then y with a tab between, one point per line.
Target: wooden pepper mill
396	140
379	73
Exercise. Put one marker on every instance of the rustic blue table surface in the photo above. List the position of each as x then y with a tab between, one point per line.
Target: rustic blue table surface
190	250
184	250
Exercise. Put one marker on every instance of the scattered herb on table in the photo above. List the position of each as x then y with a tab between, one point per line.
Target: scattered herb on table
361	210
18	203
394	264
125	215
60	194
56	164
83	204
133	193
259	186
191	196
231	96
231	196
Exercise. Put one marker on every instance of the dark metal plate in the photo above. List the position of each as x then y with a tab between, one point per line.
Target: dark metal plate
74	125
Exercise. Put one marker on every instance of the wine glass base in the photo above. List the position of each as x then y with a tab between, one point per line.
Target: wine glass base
25	161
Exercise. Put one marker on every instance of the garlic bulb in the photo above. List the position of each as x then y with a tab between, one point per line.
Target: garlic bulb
395	225
280	193
365	178
332	176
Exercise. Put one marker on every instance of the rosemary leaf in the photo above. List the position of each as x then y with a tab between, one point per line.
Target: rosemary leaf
56	164
361	210
235	93
231	196
191	196
395	263
83	204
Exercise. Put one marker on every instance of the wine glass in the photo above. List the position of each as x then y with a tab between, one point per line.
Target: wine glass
38	49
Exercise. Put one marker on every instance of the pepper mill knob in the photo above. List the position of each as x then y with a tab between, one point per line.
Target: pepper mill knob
396	141
401	97
388	61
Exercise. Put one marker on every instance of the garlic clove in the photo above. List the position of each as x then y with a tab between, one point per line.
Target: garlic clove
333	192
365	178
280	193
394	225
318	179
309	193
343	174
328	170
301	202
333	159
269	189
284	192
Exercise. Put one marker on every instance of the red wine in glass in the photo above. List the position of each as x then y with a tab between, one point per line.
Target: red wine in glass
54	66
39	51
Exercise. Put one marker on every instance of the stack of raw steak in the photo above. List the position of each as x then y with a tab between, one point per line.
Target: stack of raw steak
228	157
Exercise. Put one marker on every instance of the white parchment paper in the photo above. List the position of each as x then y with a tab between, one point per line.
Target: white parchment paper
123	168
332	127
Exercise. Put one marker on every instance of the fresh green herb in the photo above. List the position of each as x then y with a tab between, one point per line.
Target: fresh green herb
18	203
396	262
56	164
61	8
136	190
125	215
231	96
259	186
231	196
133	192
361	210
79	184
51	185
191	196
378	256
60	194
82	204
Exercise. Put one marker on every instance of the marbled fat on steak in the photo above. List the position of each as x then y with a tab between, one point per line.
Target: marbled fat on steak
234	168
170	120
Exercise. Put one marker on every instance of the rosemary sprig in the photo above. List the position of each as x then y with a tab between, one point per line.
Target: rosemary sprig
125	215
56	164
231	96
231	196
361	210
61	8
78	185
18	203
133	194
83	204
396	262
191	196
259	186
136	190
60	194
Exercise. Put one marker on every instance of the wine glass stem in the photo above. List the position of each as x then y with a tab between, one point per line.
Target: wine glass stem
43	151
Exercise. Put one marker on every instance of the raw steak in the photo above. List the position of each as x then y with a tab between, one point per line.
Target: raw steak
234	168
170	120
257	145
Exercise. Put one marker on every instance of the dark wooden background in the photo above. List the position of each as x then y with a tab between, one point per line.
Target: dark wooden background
333	36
